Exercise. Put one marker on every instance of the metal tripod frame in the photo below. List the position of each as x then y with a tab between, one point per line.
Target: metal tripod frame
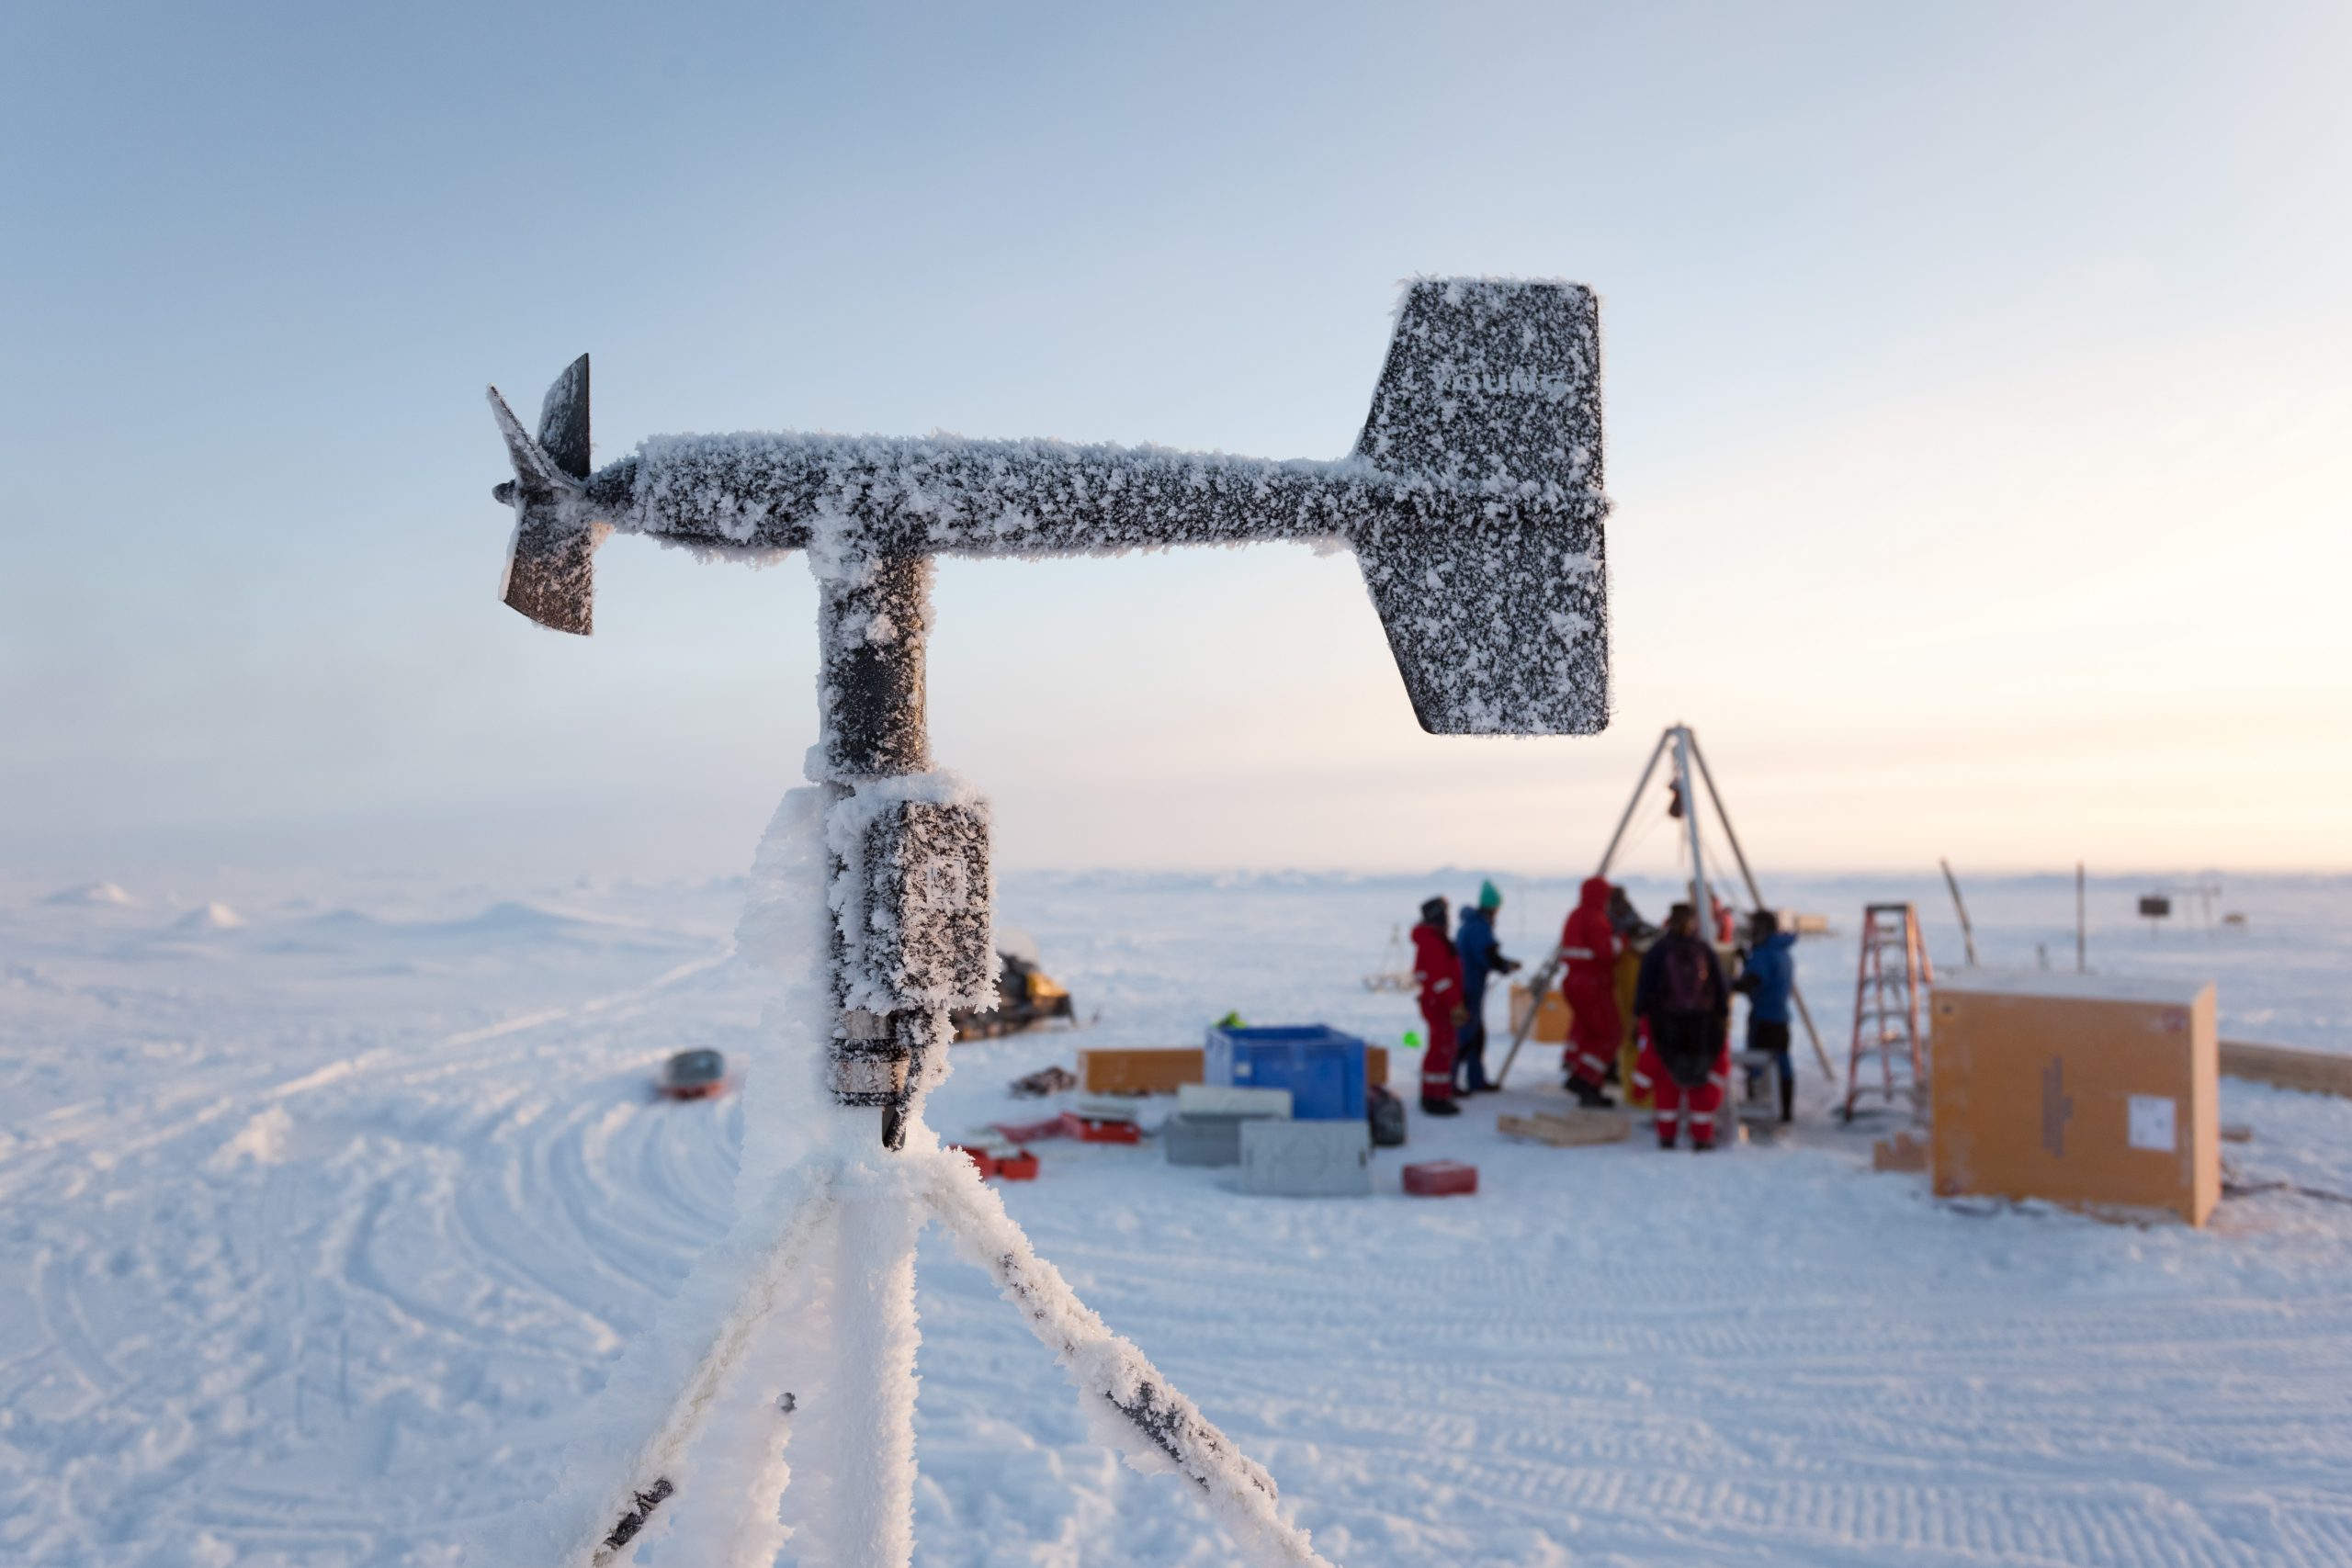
1682	745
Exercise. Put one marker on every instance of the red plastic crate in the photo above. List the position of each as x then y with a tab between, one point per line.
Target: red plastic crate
1440	1177
1021	1166
983	1160
1109	1132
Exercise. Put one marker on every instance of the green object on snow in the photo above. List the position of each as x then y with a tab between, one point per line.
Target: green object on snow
1489	895
1412	1040
1231	1021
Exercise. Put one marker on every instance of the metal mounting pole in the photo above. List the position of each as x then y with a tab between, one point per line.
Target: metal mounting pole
871	629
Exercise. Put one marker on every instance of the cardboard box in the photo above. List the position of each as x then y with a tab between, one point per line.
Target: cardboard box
1552	1015
2095	1092
1162	1069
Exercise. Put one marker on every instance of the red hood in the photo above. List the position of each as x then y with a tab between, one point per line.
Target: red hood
1595	896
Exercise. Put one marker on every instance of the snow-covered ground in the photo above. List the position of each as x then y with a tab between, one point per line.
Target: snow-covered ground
327	1208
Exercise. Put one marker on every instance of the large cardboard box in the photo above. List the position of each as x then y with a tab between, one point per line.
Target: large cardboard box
2095	1092
1162	1069
1550	1015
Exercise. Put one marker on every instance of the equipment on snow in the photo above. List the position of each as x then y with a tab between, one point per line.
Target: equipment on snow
1025	995
1441	1178
1689	770
1474	503
694	1075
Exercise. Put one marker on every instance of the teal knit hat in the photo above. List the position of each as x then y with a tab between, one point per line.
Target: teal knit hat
1489	895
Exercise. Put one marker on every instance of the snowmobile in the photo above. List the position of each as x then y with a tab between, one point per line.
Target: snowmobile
692	1075
1026	993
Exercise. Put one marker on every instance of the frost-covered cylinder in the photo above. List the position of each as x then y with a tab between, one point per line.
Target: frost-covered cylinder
871	629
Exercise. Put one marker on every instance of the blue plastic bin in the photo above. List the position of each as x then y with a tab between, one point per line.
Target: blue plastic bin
1322	1069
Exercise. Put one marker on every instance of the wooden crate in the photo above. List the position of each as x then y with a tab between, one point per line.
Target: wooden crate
1163	1069
1552	1015
1574	1129
2088	1090
2317	1072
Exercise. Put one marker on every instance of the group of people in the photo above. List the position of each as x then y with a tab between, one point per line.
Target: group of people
1682	1004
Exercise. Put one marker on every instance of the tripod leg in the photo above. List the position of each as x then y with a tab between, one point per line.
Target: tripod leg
863	1419
1161	1428
604	1523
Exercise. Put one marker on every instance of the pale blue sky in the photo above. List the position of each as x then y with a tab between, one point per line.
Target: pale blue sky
1977	405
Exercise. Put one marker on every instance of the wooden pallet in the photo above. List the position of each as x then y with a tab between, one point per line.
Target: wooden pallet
1569	1130
2315	1072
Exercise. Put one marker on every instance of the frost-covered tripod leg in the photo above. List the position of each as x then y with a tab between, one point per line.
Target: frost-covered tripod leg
861	1512
758	1270
1149	1423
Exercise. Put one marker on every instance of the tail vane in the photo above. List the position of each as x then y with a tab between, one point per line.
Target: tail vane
1496	603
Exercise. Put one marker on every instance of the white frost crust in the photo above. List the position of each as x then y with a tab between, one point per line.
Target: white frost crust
1105	1368
858	916
721	1330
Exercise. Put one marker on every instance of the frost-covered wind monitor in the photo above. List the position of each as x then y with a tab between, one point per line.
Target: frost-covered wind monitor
1473	501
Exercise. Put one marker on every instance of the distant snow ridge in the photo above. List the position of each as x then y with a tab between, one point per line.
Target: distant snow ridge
213	916
93	893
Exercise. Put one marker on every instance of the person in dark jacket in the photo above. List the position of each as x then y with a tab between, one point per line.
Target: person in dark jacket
1482	958
1682	1000
1588	943
1437	973
1769	978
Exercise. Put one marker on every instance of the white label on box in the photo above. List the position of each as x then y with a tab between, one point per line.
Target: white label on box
2152	1123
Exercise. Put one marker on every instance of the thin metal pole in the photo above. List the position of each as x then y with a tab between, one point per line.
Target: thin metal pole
2081	925
1755	893
1617	838
1967	932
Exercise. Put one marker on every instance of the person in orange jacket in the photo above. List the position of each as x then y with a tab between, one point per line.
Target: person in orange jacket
1437	970
1589	942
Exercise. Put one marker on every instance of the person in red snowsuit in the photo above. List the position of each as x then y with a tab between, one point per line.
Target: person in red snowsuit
1437	970
1683	1001
1589	942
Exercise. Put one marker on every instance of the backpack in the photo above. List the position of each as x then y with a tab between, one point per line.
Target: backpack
1686	990
1387	1114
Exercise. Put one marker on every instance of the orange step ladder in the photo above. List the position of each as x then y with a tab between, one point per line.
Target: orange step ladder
1890	1011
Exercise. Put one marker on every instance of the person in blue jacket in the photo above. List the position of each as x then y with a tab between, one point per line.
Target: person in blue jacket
1481	956
1769	975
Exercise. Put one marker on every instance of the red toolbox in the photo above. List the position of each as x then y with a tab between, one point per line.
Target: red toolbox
1021	1166
1109	1132
1440	1177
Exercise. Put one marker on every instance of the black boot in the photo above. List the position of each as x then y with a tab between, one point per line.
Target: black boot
1440	1107
1589	1097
